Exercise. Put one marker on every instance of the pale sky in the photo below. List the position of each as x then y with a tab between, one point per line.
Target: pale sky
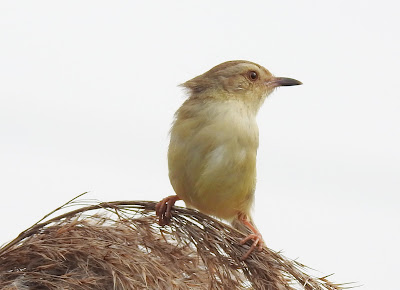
88	90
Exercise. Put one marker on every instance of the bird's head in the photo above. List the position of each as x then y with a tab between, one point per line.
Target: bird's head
238	79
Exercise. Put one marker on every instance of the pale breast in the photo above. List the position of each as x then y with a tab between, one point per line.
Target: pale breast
212	159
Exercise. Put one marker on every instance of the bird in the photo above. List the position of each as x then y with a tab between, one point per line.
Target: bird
214	140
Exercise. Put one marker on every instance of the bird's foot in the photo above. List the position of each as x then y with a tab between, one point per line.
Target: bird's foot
163	209
257	243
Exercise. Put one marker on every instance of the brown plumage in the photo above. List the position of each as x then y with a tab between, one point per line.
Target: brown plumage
214	141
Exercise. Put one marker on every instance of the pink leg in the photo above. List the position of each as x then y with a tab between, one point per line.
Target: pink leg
255	236
163	209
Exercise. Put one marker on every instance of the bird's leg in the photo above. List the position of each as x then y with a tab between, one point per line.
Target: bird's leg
255	236
163	209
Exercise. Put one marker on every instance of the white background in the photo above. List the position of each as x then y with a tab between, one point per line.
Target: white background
88	90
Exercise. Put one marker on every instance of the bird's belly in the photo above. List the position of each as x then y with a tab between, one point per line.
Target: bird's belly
212	158
221	183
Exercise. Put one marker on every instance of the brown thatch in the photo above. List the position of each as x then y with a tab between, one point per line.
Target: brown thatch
119	245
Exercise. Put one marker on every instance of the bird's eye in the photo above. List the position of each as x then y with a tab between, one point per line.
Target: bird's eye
253	75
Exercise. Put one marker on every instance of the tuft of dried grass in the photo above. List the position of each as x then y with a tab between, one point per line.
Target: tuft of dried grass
119	245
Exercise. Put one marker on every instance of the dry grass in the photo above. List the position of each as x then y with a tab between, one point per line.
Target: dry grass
119	245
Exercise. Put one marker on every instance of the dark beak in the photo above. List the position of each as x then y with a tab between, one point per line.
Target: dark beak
283	82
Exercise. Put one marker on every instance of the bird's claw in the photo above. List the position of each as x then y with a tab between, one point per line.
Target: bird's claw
163	209
257	242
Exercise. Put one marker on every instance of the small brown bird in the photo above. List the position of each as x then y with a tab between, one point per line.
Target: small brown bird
214	141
